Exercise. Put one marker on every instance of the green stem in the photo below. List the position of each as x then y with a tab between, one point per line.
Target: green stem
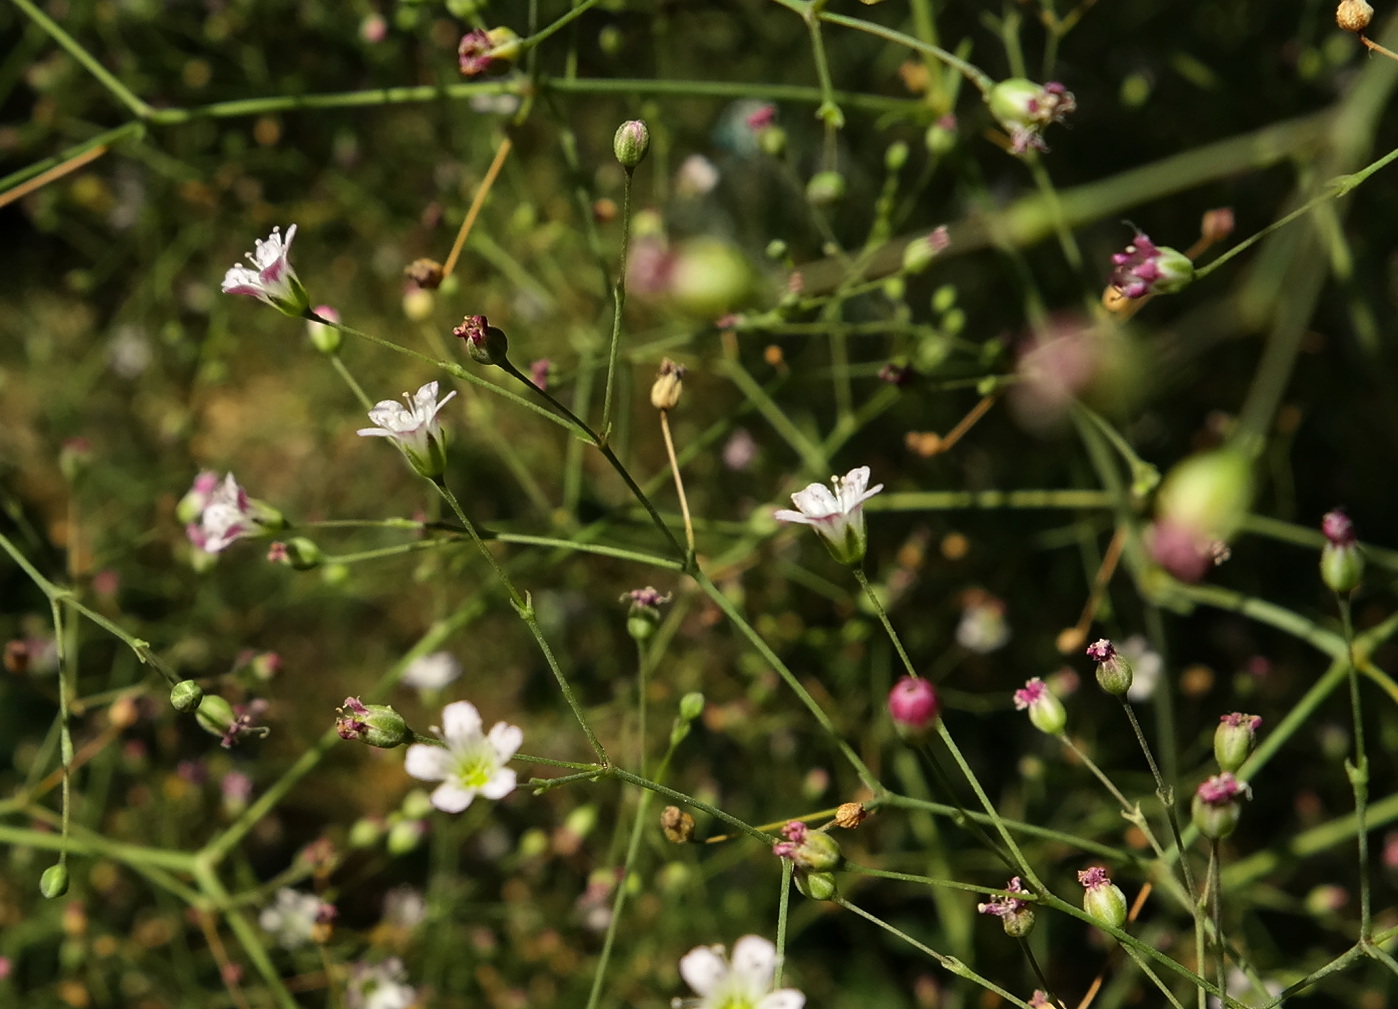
619	302
524	607
883	617
972	73
89	62
1358	774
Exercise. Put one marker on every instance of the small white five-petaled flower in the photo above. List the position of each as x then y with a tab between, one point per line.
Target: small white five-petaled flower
472	762
272	280
221	512
415	428
839	516
745	982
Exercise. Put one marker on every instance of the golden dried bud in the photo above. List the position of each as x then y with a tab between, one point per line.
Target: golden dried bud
425	273
677	825
1353	15
669	383
850	815
1216	225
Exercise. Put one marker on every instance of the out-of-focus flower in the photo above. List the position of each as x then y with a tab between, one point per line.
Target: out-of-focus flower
224	513
292	917
745	981
481	52
415	428
382	985
913	705
272	278
432	672
1146	268
471	763
740	450
697	176
837	517
1200	506
1025	109
374	28
1146	667
1045	709
982	628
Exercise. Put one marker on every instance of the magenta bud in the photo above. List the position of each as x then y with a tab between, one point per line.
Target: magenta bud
913	705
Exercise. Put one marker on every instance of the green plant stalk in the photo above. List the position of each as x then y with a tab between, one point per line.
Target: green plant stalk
726	605
1216	909
1131	810
863	581
682	798
812	458
89	62
783	918
619	303
951	963
910	877
524	607
972	73
1358	774
250	938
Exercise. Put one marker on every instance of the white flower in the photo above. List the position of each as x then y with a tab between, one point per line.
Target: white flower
837	517
415	428
745	983
982	628
379	986
291	918
273	280
1146	667
471	764
224	513
432	672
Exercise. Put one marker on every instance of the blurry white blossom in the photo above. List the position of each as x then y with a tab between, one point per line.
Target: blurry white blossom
291	918
380	985
432	672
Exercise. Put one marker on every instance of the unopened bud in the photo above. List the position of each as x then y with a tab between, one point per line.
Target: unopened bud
920	252
817	885
324	337
850	815
1353	15
913	705
825	188
1341	563
631	143
215	715
186	696
1216	225
1233	739
299	553
1045	710
669	383
677	825
1215	809
809	850
54	881
691	706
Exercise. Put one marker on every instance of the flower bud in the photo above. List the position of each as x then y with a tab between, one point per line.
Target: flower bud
920	252
1216	224
215	715
771	140
1215	809
404	836
913	705
1233	739
186	696
669	383
1015	914
1353	15
484	343
809	850
825	189
631	143
1046	711
324	338
940	138
365	832
1341	563
375	724
1113	672
1102	899
1025	109
1207	494
850	815
691	706
677	825
708	278
817	885
54	881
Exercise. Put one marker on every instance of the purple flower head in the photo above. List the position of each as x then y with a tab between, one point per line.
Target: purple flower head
1238	720
1025	109
761	119
1094	878
1001	905
1101	650
271	279
795	833
1030	693
473	53
648	597
244	723
1146	268
912	704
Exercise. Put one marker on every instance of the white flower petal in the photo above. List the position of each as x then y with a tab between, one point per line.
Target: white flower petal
816	501
450	797
755	961
854	483
506	739
782	998
703	969
427	763
787	515
461	723
501	784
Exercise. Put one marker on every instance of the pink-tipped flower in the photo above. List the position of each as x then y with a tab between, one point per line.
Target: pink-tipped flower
481	52
1341	563
1215	809
1233	739
225	514
272	279
415	428
1015	913
1025	109
809	850
1045	710
1102	899
763	117
1113	672
913	705
744	980
372	724
472	761
839	516
1146	268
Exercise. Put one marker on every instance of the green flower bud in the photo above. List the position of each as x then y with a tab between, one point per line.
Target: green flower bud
215	715
1216	809
54	881
1102	899
825	189
373	724
186	696
1341	563
405	836
1114	673
365	832
631	143
817	885
1233	739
